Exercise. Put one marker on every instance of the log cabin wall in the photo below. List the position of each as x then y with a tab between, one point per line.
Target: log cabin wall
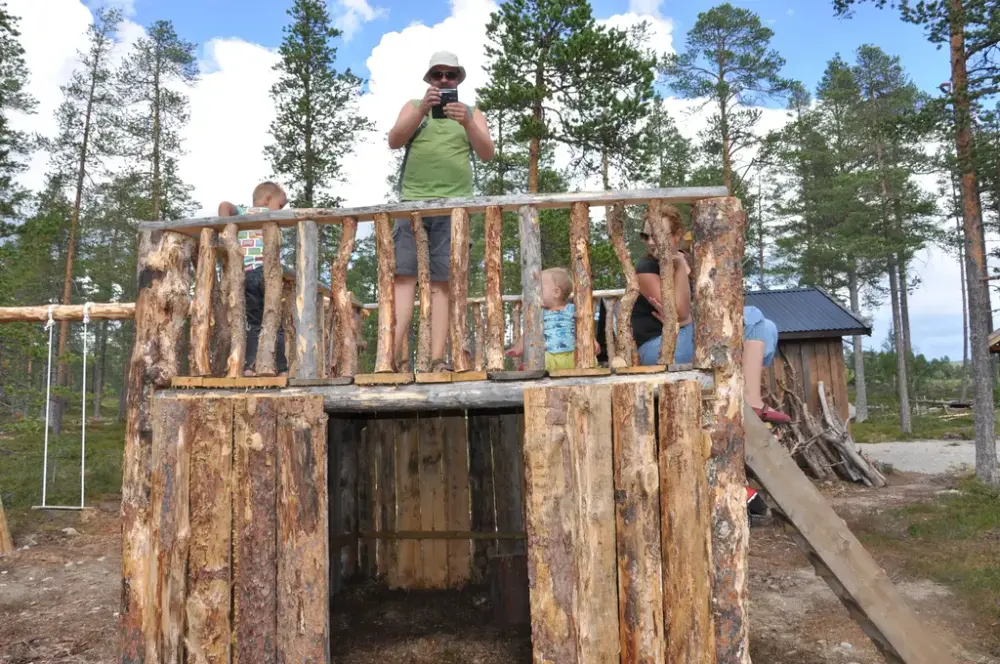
800	365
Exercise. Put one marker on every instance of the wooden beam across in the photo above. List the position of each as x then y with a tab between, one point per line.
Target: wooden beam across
440	206
40	313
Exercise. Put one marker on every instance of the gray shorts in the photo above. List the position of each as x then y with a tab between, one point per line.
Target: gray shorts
438	242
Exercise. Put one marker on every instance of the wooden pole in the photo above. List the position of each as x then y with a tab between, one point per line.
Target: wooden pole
345	344
386	250
686	526
480	333
6	543
458	287
236	311
718	343
307	324
201	315
265	363
164	280
579	246
423	362
640	598
626	341
609	329
288	323
515	323
531	288
659	225
221	336
321	336
495	327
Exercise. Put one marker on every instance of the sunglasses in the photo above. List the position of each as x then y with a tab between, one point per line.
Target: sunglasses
450	75
644	237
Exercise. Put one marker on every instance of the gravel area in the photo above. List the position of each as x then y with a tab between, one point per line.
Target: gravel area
932	457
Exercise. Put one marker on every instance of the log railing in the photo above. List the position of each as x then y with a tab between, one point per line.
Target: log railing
323	334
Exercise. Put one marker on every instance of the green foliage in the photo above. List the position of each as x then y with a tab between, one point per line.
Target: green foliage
13	98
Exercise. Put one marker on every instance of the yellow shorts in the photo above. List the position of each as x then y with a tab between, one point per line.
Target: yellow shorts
555	361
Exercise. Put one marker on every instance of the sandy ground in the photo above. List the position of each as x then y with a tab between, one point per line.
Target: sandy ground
933	457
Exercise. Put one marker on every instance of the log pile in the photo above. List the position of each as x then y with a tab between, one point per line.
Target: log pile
823	446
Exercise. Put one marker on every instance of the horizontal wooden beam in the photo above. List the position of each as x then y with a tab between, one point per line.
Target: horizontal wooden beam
458	396
441	535
438	206
40	313
598	294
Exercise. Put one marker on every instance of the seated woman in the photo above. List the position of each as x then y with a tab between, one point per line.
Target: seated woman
760	336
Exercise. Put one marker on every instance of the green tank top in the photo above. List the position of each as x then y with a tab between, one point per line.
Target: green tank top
438	165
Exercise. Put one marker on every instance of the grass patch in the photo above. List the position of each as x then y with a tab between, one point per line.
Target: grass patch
883	426
953	540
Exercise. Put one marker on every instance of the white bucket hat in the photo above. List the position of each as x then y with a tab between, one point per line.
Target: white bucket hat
444	59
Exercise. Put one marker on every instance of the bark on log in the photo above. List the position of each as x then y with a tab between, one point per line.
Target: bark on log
408	565
718	342
97	310
484	428
6	543
626	341
609	329
456	450
495	328
388	556
386	250
686	527
659	224
221	336
201	314
480	334
458	283
302	566
423	362
579	246
307	323
516	323
571	525
266	364
162	306
433	500
531	289
288	324
345	344
236	310
321	328
637	486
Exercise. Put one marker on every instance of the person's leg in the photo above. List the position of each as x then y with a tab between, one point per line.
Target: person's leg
684	350
439	319
404	285
753	368
760	340
649	352
439	245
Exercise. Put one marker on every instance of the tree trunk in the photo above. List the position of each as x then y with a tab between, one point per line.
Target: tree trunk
535	146
965	317
905	425
860	386
979	299
904	317
100	367
123	391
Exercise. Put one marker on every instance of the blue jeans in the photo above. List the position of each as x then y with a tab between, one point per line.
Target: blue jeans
755	328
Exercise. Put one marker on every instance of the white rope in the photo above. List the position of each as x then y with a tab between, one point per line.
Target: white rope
83	408
48	389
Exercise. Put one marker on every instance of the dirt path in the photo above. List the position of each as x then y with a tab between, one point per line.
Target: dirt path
59	598
933	457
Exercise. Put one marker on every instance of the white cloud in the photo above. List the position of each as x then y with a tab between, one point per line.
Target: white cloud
650	7
353	14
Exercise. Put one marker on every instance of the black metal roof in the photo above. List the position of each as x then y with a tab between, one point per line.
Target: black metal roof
806	313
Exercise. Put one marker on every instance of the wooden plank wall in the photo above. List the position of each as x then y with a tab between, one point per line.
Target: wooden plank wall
801	365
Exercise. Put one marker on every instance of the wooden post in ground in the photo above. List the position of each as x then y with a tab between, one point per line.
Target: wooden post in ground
307	323
345	344
531	289
626	341
483	430
495	327
718	342
659	225
637	487
236	310
221	336
201	314
515	323
509	568
408	564
265	364
479	331
686	526
6	543
321	327
423	361
386	250
288	323
579	247
163	281
571	524
458	282
609	328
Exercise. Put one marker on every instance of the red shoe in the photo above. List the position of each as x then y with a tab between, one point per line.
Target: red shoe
768	414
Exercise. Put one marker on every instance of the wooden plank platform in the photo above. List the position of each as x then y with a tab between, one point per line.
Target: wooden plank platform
517	375
636	371
579	373
434	377
468	376
383	379
320	382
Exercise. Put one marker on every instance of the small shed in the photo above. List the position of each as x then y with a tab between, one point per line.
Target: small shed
811	327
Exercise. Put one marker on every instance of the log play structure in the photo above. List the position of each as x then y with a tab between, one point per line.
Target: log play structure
604	505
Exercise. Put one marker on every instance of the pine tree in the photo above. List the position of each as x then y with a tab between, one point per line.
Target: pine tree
13	98
728	60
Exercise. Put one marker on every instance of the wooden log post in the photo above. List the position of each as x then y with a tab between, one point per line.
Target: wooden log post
288	323
571	524
686	526
515	323
718	343
321	356
637	486
60	312
221	336
458	287
163	280
386	250
307	323
609	329
423	362
265	364
579	246
660	222
236	311
479	331
6	543
495	327
345	343
531	289
483	430
626	341
201	313
509	568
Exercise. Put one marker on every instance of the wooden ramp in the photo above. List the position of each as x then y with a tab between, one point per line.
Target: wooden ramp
838	557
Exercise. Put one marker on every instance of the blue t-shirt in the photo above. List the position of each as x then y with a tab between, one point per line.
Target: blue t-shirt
559	329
